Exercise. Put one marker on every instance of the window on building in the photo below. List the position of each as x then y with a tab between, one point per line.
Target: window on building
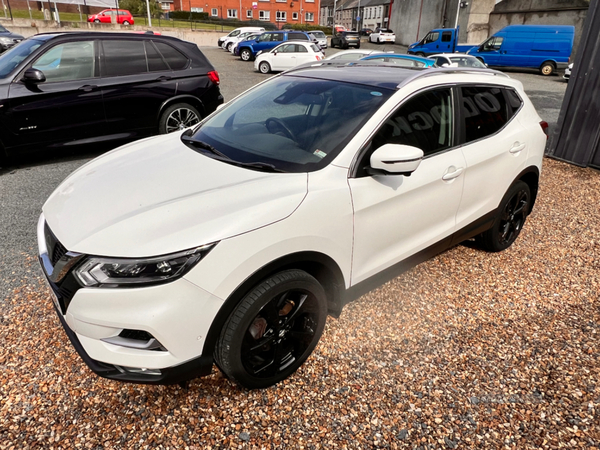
214	12
310	17
264	15
249	14
232	13
281	16
281	1
295	16
197	9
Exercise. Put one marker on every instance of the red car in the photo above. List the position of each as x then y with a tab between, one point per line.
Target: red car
124	17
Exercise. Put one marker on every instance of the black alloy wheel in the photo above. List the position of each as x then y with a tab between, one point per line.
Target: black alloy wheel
273	330
513	211
178	117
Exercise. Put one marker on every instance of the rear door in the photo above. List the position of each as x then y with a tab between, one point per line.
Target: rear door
68	107
136	80
495	148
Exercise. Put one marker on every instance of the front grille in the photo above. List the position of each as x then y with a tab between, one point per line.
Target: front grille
62	280
55	249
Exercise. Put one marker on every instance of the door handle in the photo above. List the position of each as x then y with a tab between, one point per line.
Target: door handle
163	78
517	147
88	87
452	175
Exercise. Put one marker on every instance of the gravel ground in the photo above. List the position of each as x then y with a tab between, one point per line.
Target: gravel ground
467	350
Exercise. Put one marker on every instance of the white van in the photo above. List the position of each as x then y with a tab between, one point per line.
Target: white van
237	31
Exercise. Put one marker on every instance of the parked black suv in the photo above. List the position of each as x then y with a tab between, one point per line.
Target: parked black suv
345	39
68	89
8	39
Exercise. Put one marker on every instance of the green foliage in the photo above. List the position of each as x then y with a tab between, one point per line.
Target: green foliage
306	27
138	7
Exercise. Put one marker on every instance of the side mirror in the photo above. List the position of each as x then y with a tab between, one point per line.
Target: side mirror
33	76
395	159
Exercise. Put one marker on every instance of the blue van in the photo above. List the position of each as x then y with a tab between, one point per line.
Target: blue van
543	47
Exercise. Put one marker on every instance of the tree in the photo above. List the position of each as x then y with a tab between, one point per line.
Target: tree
138	7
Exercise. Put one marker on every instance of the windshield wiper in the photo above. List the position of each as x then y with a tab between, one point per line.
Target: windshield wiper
263	167
204	146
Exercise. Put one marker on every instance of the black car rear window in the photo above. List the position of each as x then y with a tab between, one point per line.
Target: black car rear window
174	58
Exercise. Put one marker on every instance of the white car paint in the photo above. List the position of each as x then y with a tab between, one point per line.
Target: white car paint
156	196
288	55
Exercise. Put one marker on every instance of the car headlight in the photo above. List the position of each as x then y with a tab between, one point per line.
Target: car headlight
6	40
124	272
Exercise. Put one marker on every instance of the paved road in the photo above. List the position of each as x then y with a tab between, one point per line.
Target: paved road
25	185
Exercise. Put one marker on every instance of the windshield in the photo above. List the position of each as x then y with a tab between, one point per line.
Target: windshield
318	34
3	30
10	59
465	61
290	123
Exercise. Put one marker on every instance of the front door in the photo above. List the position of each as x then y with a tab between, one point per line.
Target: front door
65	109
396	216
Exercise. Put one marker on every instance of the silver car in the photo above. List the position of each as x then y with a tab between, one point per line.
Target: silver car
319	38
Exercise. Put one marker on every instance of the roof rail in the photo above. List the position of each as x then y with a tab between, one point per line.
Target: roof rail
451	70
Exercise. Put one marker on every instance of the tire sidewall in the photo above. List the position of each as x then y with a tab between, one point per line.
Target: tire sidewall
492	242
245	55
264	64
232	335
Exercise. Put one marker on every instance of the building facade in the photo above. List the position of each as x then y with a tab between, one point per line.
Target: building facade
355	14
275	11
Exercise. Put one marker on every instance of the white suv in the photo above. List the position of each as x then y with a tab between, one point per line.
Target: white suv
232	241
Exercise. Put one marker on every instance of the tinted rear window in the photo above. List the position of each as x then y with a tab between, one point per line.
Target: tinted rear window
123	58
297	37
174	58
485	111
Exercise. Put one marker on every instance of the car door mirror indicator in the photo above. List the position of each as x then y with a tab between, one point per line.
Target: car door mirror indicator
395	159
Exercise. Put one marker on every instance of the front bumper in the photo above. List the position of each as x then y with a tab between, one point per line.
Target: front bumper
152	335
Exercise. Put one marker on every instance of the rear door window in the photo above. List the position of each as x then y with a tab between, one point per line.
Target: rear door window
484	110
297	37
122	57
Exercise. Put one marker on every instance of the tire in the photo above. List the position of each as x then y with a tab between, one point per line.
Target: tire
421	54
273	330
228	48
264	67
245	54
358	46
513	210
547	68
96	20
178	117
126	22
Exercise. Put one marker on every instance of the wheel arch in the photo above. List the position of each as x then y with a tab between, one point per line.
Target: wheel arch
318	265
531	176
189	99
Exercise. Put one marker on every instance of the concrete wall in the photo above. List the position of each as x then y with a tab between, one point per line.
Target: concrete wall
412	19
28	28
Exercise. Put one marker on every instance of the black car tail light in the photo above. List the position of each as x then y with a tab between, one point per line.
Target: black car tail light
214	77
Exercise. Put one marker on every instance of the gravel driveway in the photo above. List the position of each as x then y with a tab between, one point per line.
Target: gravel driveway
468	350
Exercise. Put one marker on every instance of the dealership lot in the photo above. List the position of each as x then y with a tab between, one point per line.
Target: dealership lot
468	350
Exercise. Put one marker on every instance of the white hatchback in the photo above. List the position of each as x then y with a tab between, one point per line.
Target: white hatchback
287	55
231	242
382	35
